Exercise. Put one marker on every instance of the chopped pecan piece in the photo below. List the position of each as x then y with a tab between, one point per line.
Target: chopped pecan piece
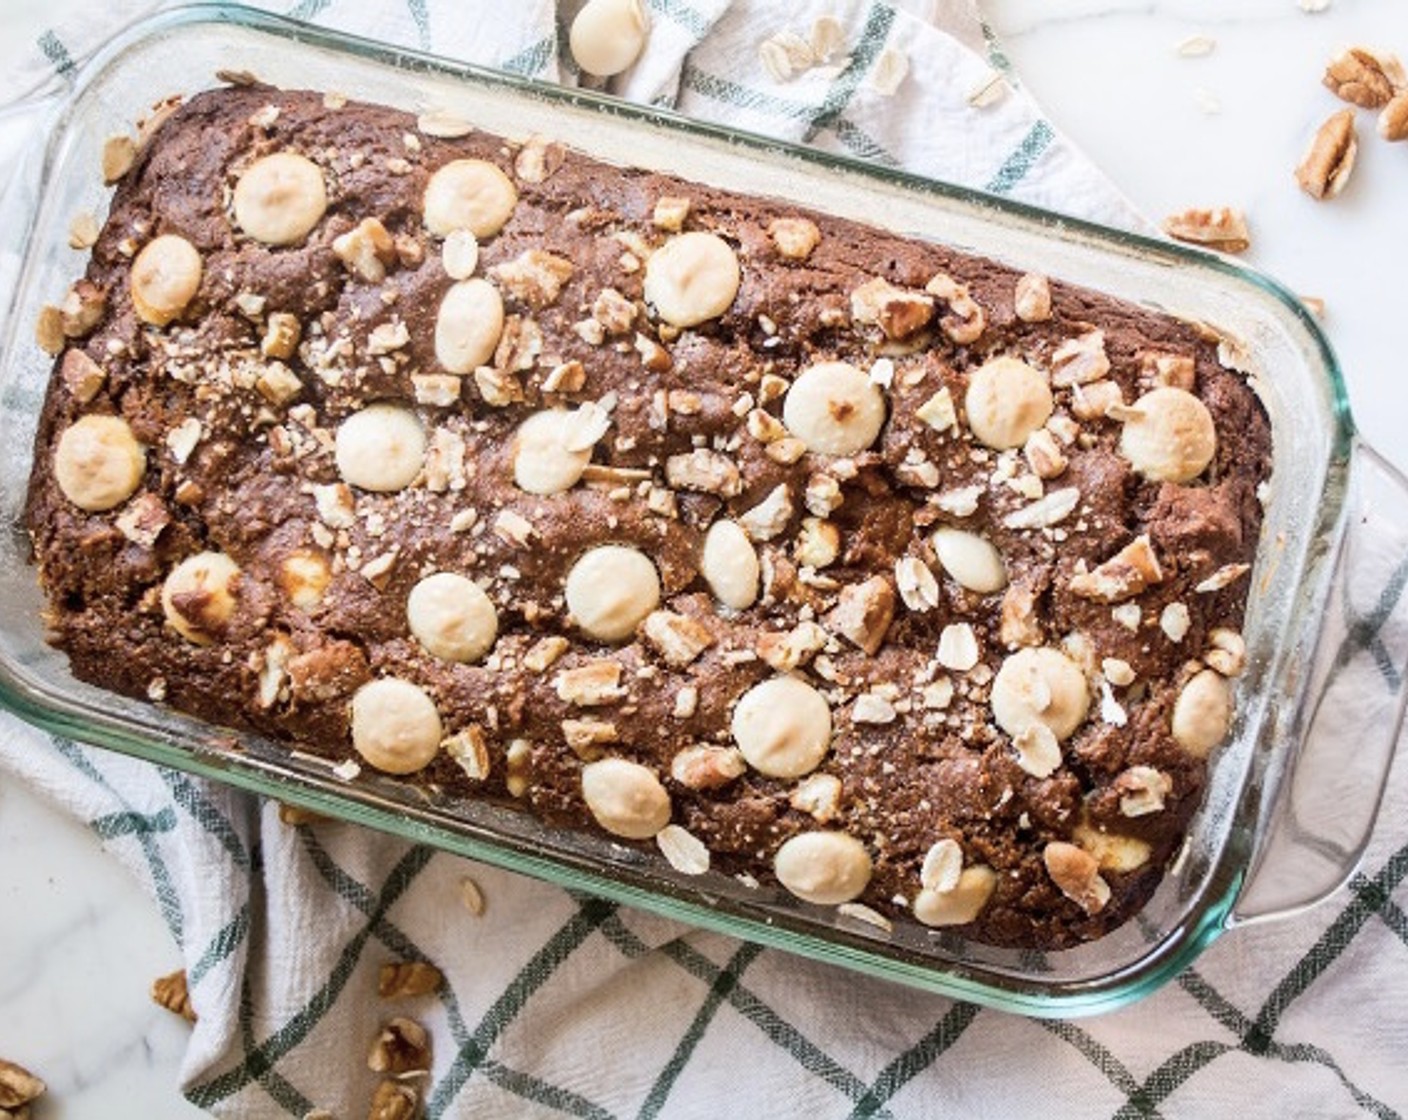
1123	575
864	613
896	312
1223	228
1363	77
1325	169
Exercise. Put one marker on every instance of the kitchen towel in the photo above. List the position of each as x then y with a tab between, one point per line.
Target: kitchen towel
561	1004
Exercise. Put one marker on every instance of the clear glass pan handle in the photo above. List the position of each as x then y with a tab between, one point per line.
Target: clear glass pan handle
1348	712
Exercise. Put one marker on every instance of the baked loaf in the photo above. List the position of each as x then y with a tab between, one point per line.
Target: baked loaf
812	553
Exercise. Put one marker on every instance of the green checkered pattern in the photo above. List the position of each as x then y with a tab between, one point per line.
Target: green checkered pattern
557	1004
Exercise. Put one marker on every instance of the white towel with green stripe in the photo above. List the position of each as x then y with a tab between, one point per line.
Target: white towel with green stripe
557	1004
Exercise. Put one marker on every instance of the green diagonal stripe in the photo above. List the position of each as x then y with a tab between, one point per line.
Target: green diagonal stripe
916	1059
743	97
1014	169
531	60
383	929
225	942
1371	895
538	1091
131	823
693	21
279	1090
1215	1003
266	1055
781	1033
723	984
420	16
309	9
1341	931
861	145
1363	632
878	22
511	1001
189	796
167	898
57	54
1098	1055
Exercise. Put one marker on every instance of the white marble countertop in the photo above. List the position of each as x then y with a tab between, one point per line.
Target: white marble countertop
81	943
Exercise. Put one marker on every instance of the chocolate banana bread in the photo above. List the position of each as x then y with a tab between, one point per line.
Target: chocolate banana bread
810	553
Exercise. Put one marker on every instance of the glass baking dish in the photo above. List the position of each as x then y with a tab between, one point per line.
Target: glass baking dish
1292	796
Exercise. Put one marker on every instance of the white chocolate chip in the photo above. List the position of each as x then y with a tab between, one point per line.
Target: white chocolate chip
823	867
625	798
468	325
460	254
542	461
692	278
395	726
1040	685
971	560
381	448
834	409
729	565
1202	714
452	617
1006	401
960	905
611	590
608	35
783	727
165	278
470	194
943	864
1172	438
280	198
198	597
98	463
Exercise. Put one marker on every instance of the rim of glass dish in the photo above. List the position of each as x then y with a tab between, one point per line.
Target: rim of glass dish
1108	991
